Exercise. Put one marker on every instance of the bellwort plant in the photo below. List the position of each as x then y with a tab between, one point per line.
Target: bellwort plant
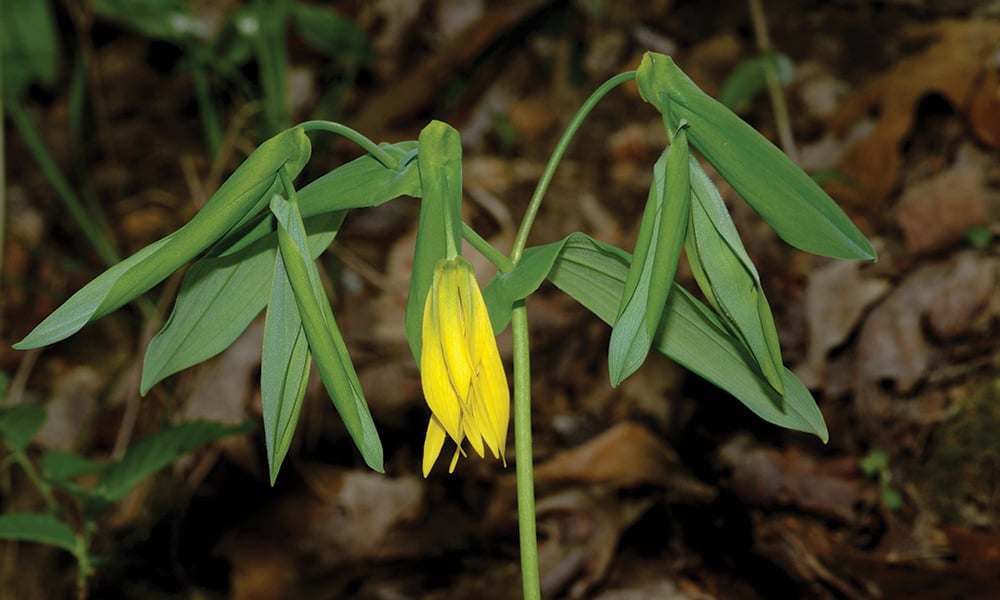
256	240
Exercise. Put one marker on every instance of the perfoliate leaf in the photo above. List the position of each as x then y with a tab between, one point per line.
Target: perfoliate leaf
284	369
37	527
325	342
728	278
440	160
651	274
689	333
798	210
234	205
223	292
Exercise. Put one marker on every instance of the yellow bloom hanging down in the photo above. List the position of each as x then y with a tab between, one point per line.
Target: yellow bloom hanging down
461	372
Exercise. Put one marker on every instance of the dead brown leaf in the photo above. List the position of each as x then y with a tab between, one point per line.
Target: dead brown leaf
936	213
772	478
956	65
836	297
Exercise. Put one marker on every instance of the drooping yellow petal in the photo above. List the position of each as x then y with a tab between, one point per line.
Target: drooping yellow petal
435	379
433	442
450	321
462	374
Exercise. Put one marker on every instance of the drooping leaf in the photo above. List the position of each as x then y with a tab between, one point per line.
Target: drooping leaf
37	527
440	160
233	206
690	333
284	369
19	423
325	342
784	196
651	273
728	278
223	292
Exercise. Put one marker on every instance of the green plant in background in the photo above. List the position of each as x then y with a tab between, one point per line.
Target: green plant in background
876	464
257	238
71	522
215	54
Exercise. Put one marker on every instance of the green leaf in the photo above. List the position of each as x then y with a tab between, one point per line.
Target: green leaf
61	467
750	77
728	278
159	450
284	369
325	342
223	292
233	206
784	196
29	46
690	334
169	20
19	423
439	231
328	32
505	289
37	527
651	273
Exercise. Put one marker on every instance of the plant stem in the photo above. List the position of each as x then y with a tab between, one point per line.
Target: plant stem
782	121
40	484
550	169
530	579
94	234
355	136
499	259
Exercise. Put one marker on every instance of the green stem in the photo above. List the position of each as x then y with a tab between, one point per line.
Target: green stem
782	122
94	234
499	259
40	484
530	579
206	108
550	169
371	147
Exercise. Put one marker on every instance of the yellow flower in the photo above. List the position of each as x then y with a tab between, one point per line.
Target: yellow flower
461	372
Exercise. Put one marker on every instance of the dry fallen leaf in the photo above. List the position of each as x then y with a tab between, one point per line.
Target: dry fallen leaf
767	477
958	66
936	213
836	297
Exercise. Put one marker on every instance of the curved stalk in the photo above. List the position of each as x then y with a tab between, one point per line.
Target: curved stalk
355	136
550	168
530	579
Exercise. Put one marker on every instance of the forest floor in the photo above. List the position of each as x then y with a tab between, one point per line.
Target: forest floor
664	487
